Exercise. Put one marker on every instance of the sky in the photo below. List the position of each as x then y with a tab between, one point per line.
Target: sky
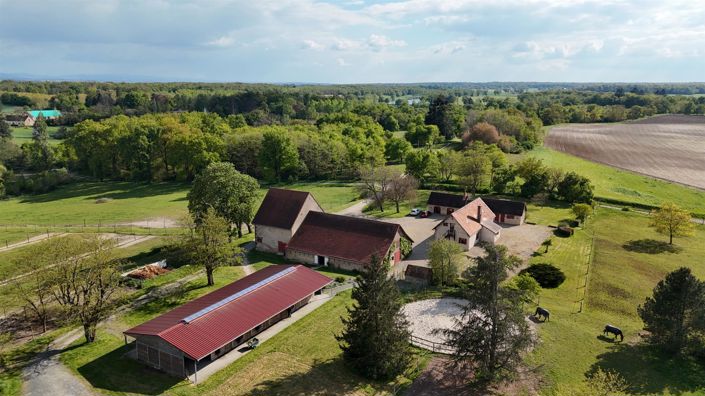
355	41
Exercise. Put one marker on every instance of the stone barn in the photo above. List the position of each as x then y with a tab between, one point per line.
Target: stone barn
279	216
347	242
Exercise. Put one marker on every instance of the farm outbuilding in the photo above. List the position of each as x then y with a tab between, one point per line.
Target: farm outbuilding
206	328
279	216
347	243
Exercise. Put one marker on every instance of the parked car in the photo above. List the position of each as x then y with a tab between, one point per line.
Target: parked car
415	212
425	213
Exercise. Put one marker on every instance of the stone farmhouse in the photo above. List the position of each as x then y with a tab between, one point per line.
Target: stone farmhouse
27	119
506	211
470	224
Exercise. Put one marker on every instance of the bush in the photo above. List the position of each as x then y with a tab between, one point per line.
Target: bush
339	279
405	247
547	275
565	231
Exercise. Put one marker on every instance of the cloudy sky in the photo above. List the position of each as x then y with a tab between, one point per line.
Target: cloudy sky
354	41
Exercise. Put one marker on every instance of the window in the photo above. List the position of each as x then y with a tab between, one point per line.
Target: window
445	224
510	216
463	241
258	239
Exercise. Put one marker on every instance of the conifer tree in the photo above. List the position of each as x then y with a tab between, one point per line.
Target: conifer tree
675	311
375	341
492	332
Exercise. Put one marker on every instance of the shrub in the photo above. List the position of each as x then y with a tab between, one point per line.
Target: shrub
565	231
340	279
547	275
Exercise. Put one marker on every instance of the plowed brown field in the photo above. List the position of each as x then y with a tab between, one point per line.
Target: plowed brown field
669	147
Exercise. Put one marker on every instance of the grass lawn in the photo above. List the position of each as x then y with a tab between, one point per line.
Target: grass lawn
332	196
621	276
9	236
22	135
613	183
13	360
390	210
75	204
302	359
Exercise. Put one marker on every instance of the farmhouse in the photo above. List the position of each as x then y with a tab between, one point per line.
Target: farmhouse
506	211
346	242
280	215
19	120
28	119
204	329
470	224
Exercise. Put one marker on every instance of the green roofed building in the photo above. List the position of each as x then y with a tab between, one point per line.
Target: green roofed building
48	114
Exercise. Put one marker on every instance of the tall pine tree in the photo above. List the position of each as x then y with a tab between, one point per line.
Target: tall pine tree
375	341
492	332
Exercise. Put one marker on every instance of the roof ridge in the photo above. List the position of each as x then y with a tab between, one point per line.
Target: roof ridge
293	267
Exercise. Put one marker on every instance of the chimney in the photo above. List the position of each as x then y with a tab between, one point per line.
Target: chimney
479	213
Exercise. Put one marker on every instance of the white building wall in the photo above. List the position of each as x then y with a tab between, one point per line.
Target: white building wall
441	231
267	238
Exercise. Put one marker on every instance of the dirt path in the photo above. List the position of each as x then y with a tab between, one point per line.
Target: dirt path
47	376
356	209
30	241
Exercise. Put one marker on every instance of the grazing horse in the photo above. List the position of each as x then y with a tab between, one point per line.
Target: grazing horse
613	330
542	313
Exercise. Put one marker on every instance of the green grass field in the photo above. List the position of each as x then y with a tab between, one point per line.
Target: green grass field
617	184
390	210
75	204
620	277
24	135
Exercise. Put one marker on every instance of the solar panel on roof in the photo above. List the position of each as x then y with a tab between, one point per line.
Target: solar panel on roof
237	295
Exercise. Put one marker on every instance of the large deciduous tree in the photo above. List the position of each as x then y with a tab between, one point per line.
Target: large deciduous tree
231	194
207	244
492	332
5	131
671	220
278	156
675	311
445	257
375	341
84	279
402	187
375	183
474	170
483	132
447	115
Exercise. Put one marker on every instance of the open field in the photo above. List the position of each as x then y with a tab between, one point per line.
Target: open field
75	204
624	186
620	277
24	135
670	147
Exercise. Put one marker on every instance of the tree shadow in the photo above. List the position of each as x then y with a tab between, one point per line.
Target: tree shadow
113	190
116	372
650	246
322	378
647	370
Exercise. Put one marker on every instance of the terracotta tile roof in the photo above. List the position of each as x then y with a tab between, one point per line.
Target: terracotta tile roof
345	237
466	216
284	286
280	208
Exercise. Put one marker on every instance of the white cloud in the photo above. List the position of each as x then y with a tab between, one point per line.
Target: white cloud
378	42
222	41
312	44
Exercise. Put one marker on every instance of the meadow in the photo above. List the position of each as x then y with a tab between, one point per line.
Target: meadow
21	135
627	261
624	186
